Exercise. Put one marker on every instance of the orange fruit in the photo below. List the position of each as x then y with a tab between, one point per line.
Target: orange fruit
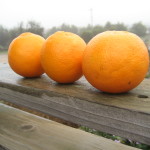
62	55
24	55
115	61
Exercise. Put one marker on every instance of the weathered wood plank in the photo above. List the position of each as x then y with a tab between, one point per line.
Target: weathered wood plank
23	131
125	115
3	148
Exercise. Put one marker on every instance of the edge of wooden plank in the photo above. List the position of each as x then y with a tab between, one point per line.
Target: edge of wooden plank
81	90
20	129
126	123
3	148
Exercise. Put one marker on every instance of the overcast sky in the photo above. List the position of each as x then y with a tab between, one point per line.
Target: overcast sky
55	12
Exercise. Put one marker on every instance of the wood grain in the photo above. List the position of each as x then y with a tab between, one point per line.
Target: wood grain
22	131
126	115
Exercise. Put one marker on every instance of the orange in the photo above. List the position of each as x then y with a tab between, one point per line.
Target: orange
62	55
115	61
24	55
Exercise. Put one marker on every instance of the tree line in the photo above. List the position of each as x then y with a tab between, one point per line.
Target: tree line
7	35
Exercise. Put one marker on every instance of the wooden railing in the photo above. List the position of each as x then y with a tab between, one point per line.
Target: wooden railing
126	115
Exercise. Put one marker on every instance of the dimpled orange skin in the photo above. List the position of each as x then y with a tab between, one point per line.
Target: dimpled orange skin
24	55
115	61
62	55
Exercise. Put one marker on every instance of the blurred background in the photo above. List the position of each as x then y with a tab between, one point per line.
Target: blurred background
85	18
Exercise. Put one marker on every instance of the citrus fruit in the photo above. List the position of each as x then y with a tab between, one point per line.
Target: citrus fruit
115	61
24	55
62	55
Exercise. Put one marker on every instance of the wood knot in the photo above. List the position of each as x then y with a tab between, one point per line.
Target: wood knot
27	127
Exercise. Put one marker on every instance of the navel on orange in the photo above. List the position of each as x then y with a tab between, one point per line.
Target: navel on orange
115	61
24	55
61	57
